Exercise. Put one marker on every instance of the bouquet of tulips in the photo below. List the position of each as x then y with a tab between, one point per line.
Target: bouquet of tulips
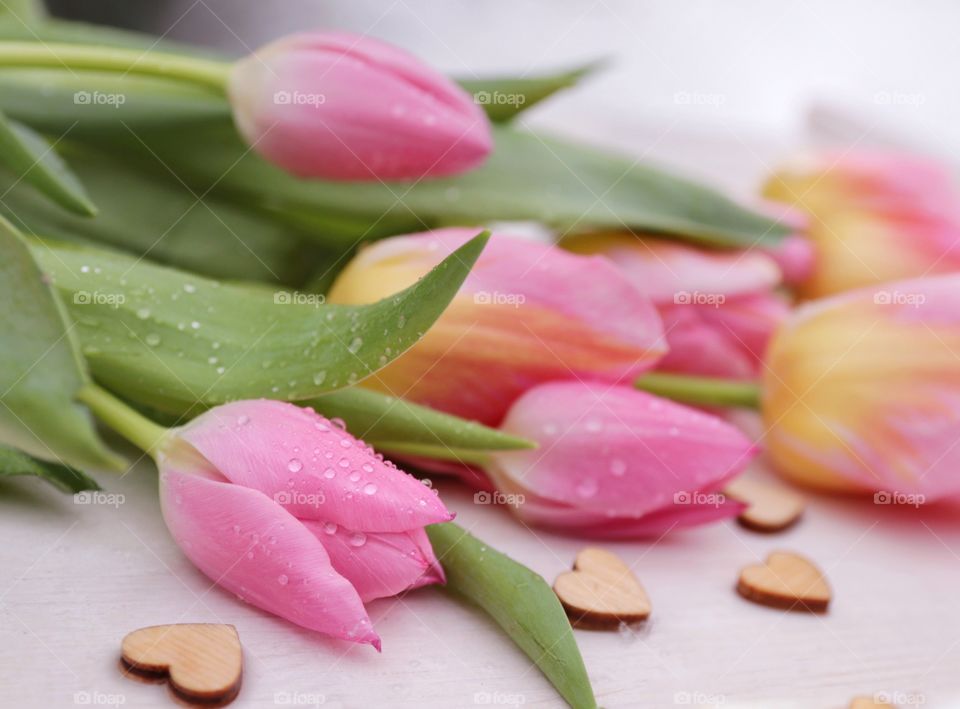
269	274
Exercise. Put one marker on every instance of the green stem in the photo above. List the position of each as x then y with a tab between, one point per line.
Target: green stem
140	431
704	391
82	57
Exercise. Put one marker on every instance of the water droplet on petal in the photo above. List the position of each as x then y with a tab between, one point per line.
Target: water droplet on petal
329	473
369	489
294	466
358	539
329	528
617	467
587	487
282	579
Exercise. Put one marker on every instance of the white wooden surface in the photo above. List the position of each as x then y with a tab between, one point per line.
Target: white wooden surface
75	578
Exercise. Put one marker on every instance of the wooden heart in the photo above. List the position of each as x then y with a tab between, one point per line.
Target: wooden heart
601	592
785	580
770	507
203	661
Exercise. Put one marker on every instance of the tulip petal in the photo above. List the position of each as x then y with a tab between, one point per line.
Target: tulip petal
527	313
379	565
698	347
863	390
669	272
615	450
311	467
251	546
875	217
684	512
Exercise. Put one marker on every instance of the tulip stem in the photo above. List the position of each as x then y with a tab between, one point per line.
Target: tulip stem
139	430
702	391
81	57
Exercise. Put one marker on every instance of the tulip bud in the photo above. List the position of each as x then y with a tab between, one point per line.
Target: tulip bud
615	462
874	218
719	308
527	313
862	390
347	107
296	516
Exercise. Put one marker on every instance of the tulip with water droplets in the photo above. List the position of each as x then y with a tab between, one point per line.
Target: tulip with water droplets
278	529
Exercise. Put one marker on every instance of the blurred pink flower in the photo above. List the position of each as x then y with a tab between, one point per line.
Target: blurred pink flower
874	217
719	308
296	516
528	313
862	391
348	107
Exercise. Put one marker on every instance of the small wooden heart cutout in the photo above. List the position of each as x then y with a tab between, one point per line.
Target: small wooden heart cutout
785	580
203	661
770	507
601	592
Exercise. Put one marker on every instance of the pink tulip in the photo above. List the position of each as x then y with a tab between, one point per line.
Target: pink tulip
874	218
296	516
348	107
615	462
528	313
719	308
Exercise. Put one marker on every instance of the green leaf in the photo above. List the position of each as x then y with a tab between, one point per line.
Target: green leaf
34	160
528	177
173	340
98	103
155	215
520	602
40	369
62	477
392	424
504	97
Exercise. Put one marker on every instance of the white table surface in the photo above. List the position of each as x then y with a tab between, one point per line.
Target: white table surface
75	578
